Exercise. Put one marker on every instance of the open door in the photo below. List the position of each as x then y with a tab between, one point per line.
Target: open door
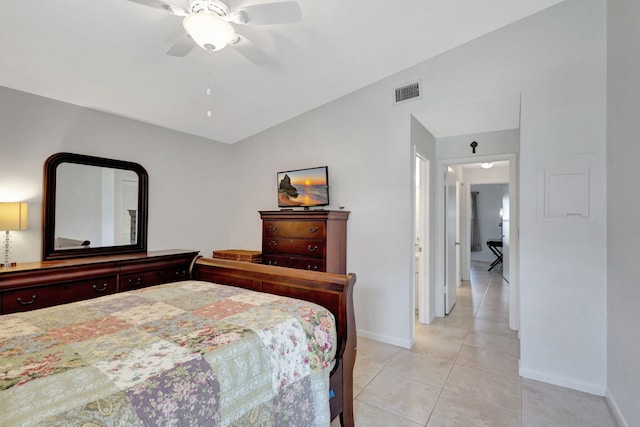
422	240
452	245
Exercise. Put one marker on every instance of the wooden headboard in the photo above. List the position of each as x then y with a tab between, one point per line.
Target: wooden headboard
333	291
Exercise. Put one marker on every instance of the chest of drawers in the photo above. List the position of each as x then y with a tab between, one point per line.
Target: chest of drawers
310	240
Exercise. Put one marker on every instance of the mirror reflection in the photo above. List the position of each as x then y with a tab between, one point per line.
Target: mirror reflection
95	207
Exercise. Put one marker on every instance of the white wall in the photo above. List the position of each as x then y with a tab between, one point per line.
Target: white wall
489	204
188	206
623	291
489	143
79	202
556	60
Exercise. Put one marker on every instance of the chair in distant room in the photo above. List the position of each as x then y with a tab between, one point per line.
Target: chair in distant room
495	247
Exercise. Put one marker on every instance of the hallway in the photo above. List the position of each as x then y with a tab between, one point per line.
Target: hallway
463	371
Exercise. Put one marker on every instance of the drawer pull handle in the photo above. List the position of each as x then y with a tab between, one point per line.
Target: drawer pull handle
273	262
135	282
315	268
33	298
181	273
312	249
103	288
273	243
313	229
273	228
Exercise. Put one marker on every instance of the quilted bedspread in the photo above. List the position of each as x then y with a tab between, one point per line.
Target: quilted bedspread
185	354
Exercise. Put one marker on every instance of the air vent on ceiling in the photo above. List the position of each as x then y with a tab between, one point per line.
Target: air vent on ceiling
408	92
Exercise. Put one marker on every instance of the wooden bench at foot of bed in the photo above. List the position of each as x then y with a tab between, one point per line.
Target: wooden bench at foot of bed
333	291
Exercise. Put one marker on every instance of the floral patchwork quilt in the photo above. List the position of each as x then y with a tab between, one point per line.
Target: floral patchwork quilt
182	354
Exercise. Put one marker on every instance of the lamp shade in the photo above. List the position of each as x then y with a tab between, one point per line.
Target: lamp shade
208	30
13	216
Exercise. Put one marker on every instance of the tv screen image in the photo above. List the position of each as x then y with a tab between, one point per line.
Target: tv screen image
303	187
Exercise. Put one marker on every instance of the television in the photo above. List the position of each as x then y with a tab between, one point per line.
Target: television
303	187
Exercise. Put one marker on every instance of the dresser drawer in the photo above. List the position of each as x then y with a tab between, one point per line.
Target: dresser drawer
299	247
175	274
300	229
142	279
55	294
313	264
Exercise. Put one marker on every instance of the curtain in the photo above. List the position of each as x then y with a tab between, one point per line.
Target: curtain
476	246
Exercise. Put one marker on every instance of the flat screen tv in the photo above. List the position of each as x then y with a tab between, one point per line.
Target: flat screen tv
303	187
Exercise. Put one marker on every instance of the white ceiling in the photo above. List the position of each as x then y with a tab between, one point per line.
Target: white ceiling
109	55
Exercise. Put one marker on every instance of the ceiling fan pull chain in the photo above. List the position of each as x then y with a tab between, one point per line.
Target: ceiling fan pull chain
209	113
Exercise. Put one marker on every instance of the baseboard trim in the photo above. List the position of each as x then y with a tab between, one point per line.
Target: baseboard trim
615	410
385	339
562	381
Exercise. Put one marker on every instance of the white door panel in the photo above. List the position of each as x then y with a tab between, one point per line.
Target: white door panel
451	249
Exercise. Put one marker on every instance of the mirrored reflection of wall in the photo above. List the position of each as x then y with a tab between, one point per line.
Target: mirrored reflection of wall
93	204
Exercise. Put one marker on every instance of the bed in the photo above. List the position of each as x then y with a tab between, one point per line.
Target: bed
277	347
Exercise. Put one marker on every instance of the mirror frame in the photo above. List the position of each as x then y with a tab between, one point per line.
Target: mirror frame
49	251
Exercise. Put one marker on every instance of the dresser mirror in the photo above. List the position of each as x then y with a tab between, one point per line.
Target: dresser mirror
93	206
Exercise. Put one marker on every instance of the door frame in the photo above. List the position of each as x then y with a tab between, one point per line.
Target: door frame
514	273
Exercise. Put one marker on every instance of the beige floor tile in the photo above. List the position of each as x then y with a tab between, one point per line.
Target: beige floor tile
401	396
487	360
498	344
369	416
530	421
444	348
420	367
374	353
487	387
456	319
563	407
454	410
494	327
441	329
362	375
493	313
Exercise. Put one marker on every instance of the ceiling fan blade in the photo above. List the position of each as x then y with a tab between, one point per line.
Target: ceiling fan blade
159	4
182	46
284	12
250	51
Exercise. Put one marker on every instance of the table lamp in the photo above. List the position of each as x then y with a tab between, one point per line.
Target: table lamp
13	217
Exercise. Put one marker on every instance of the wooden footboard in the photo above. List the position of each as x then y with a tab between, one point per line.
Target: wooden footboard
333	291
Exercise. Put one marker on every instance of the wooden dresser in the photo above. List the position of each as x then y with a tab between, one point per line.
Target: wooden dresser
309	240
33	285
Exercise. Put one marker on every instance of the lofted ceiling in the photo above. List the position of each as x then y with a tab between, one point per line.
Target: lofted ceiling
110	55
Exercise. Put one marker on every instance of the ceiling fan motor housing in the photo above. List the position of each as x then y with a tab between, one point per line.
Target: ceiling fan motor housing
210	6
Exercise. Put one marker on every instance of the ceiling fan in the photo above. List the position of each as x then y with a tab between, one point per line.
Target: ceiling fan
208	23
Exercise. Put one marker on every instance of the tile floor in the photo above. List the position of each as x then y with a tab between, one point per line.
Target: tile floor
463	371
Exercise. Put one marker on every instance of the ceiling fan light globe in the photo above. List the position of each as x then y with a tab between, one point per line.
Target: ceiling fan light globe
208	30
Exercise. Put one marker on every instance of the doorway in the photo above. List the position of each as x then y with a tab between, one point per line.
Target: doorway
511	231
